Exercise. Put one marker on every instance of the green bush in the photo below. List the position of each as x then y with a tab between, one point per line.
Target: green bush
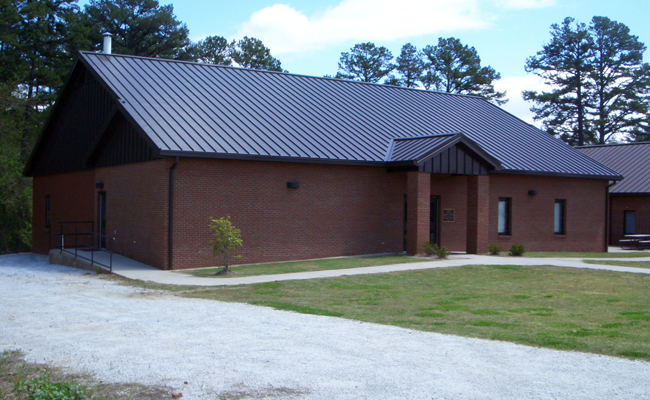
430	248
494	249
41	389
517	250
442	252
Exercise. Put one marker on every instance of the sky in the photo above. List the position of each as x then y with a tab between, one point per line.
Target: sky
308	36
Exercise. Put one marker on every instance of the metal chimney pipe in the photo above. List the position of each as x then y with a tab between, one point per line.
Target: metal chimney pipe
107	43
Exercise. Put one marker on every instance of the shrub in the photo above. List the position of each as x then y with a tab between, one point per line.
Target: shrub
517	250
226	239
41	389
430	248
494	249
442	252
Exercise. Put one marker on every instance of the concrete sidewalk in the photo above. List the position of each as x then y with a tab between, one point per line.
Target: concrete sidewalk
135	270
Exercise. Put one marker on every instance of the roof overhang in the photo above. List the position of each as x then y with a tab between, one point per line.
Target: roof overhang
428	154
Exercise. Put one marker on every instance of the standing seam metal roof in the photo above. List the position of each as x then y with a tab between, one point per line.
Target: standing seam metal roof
217	111
630	160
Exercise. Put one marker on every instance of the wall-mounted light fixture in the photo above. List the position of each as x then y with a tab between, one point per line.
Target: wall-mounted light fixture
293	185
532	192
99	185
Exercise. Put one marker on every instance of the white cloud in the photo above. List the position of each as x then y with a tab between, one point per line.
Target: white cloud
516	104
287	30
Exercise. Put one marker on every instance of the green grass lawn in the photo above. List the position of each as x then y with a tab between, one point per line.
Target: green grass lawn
559	254
561	308
635	264
310	265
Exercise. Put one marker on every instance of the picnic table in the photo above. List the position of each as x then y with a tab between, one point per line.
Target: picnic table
636	241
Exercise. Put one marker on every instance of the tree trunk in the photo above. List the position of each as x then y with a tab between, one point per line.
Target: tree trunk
581	134
28	115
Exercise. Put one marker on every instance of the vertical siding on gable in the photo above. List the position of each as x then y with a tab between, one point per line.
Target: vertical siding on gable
75	130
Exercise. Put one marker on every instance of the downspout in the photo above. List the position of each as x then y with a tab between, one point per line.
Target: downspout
170	223
608	216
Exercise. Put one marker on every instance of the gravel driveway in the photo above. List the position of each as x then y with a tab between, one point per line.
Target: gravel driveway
63	316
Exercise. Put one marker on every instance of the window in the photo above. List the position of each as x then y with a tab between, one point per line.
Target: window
629	222
47	211
504	216
559	217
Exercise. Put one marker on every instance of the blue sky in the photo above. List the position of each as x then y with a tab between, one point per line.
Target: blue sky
308	36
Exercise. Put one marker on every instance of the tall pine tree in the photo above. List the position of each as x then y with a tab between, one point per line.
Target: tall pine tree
619	81
409	67
251	53
453	67
214	50
365	62
598	83
140	28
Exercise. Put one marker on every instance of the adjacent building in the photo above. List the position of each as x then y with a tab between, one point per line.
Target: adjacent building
629	208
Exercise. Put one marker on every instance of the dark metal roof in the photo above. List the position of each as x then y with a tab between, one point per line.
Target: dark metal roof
630	160
202	110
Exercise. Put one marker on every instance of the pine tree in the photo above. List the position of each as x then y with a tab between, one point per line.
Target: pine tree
365	62
251	53
453	67
140	28
409	67
214	50
619	78
599	83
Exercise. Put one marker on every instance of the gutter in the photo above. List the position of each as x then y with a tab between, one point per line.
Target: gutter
170	223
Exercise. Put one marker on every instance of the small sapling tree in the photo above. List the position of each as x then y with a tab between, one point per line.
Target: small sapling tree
225	240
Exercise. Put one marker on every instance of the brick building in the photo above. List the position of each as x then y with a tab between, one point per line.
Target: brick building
306	167
629	209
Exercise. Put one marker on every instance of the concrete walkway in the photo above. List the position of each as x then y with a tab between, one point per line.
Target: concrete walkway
132	269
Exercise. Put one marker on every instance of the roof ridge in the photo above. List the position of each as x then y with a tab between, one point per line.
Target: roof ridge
99	53
426	136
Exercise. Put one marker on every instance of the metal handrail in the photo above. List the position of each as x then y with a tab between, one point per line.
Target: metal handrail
86	246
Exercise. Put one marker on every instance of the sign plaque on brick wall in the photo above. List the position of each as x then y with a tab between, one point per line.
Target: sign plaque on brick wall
448	215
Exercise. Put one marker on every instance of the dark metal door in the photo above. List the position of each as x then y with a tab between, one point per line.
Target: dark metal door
434	225
102	219
629	222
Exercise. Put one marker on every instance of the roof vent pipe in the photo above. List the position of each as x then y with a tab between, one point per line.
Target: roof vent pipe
107	43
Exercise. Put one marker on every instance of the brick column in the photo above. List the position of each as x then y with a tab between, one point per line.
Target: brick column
478	213
418	195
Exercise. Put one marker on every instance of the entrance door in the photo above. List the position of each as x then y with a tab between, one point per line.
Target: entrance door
102	219
629	222
434	225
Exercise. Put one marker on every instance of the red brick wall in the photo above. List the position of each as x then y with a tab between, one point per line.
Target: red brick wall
478	213
338	210
137	200
532	216
452	190
620	203
71	199
419	204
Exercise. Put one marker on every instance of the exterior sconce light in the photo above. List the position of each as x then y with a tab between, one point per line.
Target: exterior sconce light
532	192
293	185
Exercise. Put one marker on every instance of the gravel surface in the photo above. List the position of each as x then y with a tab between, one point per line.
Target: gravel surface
86	323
